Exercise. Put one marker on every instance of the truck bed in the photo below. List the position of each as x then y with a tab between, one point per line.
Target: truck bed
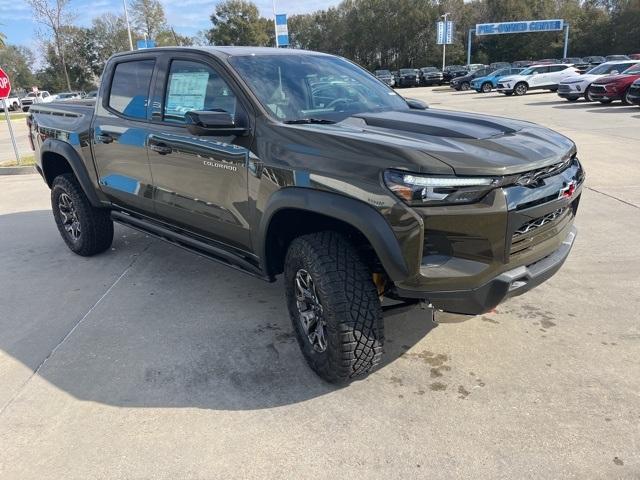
70	116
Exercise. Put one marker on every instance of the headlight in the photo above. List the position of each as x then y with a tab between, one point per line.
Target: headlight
419	190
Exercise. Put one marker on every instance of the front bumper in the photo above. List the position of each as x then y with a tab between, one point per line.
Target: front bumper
506	285
474	256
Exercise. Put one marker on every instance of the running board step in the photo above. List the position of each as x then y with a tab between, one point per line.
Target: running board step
189	243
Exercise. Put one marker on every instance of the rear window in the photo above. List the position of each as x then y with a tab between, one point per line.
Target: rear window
129	93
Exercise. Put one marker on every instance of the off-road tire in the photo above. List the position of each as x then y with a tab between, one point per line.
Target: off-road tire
350	305
520	89
96	226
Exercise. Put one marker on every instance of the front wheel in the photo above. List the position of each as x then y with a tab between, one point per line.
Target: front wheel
625	98
465	86
334	306
520	89
486	87
85	229
588	95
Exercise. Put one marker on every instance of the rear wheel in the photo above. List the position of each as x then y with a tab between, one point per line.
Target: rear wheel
334	306
86	230
520	89
486	87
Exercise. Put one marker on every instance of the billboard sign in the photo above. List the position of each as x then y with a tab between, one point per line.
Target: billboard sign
282	31
444	35
525	26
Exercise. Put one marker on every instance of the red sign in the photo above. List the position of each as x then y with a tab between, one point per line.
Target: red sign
5	85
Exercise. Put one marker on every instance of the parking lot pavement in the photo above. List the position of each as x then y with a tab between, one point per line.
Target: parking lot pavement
152	363
20	130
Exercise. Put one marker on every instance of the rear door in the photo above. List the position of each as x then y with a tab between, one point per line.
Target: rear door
120	131
200	182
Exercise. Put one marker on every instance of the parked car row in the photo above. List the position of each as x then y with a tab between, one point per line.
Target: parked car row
464	77
613	80
24	102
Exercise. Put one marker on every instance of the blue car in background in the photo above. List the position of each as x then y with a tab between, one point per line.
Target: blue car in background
489	82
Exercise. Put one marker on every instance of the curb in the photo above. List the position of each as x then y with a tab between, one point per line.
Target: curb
18	170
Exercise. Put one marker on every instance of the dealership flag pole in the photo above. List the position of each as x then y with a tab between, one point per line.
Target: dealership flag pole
126	18
275	25
444	36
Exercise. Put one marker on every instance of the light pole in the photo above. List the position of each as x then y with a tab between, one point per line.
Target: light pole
444	38
126	18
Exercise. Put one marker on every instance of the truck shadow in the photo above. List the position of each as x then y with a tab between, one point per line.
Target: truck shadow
149	325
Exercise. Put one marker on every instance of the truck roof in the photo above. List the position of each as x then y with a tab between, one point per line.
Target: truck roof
225	52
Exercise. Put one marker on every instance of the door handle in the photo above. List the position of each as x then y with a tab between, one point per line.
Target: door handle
104	138
160	148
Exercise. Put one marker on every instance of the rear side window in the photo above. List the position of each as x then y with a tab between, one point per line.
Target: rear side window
558	68
130	88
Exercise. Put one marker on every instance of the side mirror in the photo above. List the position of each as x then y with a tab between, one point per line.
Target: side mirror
212	123
416	104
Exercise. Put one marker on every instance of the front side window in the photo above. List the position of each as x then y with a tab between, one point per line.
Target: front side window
129	93
194	86
298	87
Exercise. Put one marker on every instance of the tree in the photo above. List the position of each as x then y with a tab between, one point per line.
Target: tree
148	17
109	33
238	22
17	61
54	15
3	38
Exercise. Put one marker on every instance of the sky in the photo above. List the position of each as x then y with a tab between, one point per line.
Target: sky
186	16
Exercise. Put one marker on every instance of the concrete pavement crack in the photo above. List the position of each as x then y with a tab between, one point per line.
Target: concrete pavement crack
615	198
73	329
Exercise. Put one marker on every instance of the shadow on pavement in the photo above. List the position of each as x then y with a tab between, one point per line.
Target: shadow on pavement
173	329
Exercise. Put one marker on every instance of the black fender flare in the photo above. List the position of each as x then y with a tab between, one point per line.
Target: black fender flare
361	216
77	165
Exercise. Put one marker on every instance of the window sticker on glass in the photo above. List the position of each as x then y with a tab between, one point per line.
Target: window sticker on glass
187	91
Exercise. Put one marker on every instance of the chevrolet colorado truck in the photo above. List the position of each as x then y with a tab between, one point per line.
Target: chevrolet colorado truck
302	164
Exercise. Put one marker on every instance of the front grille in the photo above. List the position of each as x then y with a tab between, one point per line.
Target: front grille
564	89
539	230
534	176
538	222
597	89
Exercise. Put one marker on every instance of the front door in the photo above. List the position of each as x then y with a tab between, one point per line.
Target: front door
539	79
120	130
200	182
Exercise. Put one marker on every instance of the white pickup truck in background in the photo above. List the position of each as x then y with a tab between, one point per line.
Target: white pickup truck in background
41	96
12	103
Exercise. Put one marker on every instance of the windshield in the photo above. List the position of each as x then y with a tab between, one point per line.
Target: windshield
299	87
502	71
608	68
383	72
407	71
635	70
429	69
31	94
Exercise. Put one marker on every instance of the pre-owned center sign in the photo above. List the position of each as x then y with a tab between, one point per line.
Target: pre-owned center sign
525	26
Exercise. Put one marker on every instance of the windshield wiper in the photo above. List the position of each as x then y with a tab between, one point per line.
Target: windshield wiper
319	121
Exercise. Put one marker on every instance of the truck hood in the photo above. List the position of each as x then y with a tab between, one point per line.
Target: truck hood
470	144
